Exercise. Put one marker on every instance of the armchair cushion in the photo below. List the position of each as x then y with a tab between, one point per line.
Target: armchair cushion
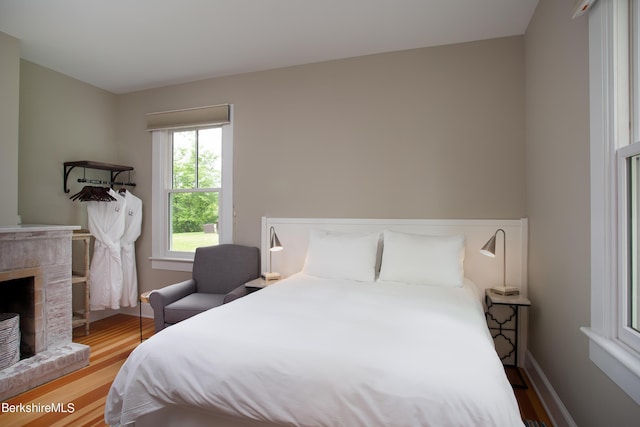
159	298
190	306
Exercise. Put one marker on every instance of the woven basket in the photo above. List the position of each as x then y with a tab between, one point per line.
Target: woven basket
9	339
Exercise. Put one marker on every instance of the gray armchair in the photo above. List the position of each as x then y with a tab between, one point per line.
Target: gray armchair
219	275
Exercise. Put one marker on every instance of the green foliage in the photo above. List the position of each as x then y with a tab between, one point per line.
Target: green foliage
191	210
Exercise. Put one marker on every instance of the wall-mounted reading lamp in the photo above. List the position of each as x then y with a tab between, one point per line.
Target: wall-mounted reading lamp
489	249
274	246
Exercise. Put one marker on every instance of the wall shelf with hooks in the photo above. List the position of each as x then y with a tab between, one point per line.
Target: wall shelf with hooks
87	164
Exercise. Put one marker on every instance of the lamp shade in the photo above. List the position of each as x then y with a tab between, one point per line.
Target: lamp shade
275	245
489	248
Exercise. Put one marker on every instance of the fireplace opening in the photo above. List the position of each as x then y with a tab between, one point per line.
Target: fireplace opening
17	296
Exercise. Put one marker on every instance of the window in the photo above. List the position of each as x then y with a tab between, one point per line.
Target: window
192	184
196	173
629	235
614	340
628	186
633	173
633	169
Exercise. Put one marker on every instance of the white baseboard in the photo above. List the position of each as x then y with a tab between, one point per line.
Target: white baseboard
147	311
556	410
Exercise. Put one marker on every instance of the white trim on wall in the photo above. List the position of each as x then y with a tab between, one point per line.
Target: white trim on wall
609	118
226	201
558	413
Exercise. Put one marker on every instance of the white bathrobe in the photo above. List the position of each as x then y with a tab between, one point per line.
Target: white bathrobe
132	230
107	224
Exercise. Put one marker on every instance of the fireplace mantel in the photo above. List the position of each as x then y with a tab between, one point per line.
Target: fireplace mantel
30	228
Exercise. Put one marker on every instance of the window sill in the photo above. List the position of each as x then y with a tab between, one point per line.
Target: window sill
173	264
620	363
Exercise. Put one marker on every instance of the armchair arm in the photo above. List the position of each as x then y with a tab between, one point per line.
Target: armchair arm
159	298
238	292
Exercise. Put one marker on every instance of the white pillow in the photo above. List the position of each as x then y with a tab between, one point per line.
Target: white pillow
423	260
342	255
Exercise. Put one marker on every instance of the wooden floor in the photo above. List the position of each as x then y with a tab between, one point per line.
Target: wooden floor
111	341
530	406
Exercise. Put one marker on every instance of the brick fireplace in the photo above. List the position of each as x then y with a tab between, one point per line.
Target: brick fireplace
35	281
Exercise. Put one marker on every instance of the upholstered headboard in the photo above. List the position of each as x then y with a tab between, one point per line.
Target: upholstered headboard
484	271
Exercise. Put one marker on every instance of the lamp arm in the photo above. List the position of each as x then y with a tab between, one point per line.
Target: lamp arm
272	231
504	257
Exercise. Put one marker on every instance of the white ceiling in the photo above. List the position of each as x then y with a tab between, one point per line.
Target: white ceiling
128	45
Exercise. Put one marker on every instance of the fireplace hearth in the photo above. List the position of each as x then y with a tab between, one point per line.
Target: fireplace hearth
35	281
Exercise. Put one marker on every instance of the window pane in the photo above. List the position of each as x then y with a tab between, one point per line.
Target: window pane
194	220
634	230
209	158
635	68
184	159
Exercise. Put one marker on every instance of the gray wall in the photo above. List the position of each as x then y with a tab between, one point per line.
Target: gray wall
557	164
9	108
426	133
61	119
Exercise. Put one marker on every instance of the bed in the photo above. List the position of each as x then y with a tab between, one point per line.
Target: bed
359	336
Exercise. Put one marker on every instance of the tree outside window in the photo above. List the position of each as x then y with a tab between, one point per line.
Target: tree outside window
195	188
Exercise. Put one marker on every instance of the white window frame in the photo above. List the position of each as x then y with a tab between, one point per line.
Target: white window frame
162	257
626	334
609	347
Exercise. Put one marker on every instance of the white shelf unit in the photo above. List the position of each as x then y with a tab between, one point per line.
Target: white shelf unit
81	277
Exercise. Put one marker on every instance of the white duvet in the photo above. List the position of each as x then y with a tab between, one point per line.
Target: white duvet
317	352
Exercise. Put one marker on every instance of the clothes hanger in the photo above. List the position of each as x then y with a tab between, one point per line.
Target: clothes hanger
122	191
91	193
